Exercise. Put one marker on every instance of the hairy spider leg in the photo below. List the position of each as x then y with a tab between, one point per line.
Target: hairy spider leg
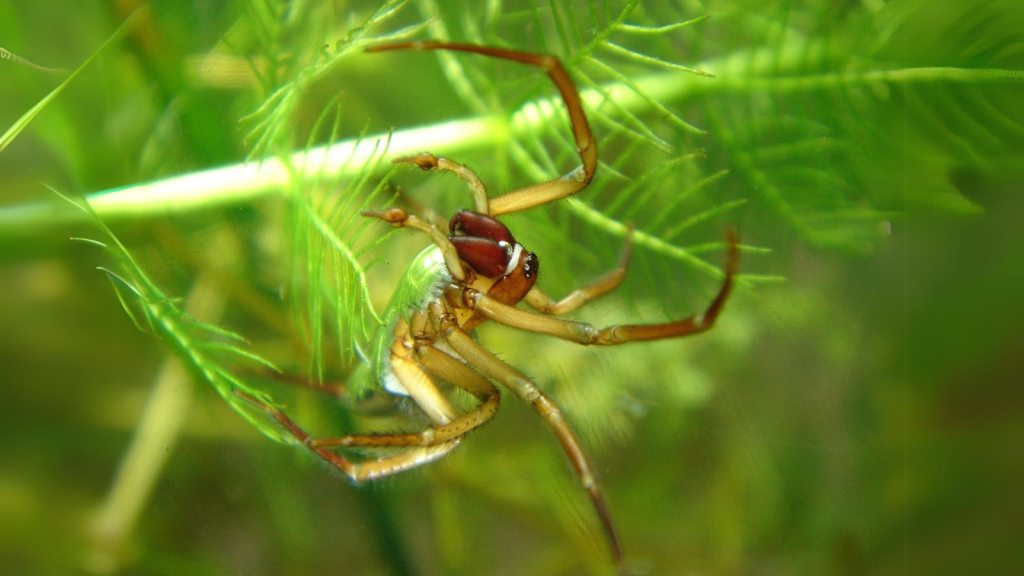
413	369
446	328
357	471
587	334
426	447
491	366
537	194
335	389
544	304
399	218
428	161
440	365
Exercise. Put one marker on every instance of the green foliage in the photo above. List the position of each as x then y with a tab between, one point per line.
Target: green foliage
24	121
328	276
305	30
210	352
802	116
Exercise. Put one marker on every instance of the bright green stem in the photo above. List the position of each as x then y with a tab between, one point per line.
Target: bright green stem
750	72
157	431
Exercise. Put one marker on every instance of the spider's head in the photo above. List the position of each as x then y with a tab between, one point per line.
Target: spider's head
489	248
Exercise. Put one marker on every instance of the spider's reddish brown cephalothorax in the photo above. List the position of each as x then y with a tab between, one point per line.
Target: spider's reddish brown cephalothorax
478	272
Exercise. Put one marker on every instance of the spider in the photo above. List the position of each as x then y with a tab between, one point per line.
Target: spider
474	272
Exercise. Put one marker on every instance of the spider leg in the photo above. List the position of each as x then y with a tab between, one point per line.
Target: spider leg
415	380
399	218
411	369
357	471
587	334
329	388
428	161
491	366
544	304
442	365
551	190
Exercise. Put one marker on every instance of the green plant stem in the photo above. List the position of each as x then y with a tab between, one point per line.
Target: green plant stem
157	432
244	182
27	118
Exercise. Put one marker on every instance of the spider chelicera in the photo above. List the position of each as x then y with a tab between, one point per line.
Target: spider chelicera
475	272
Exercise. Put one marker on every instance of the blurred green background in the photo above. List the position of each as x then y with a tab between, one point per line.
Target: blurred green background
857	410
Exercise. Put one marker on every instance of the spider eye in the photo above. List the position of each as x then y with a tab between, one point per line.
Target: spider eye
531	266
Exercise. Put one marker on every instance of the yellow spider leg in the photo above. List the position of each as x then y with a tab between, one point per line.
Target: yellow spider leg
491	366
401	219
444	366
588	334
428	161
543	303
357	471
551	190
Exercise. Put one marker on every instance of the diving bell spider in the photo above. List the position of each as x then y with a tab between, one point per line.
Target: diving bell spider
478	272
